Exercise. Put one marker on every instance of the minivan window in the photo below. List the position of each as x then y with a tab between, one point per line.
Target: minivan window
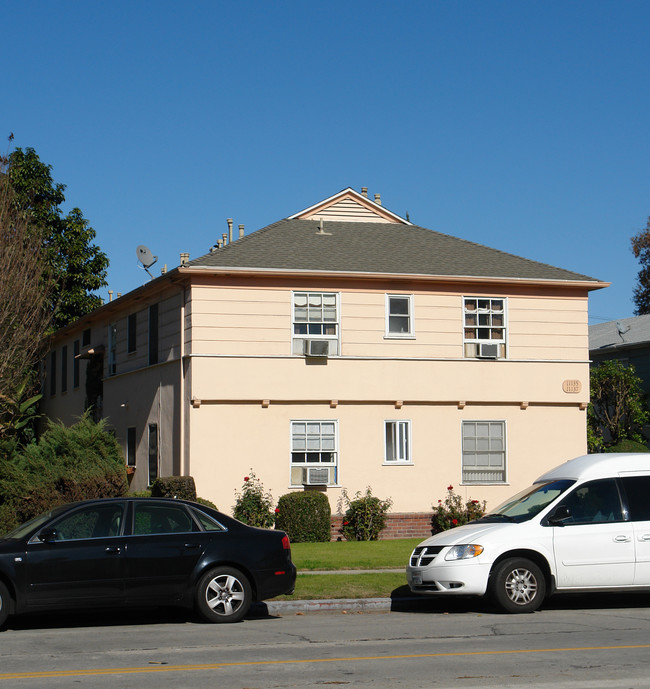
528	503
593	503
637	490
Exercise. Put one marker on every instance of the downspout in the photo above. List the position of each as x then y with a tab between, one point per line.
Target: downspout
184	469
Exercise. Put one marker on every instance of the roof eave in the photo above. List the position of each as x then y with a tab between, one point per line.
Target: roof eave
285	272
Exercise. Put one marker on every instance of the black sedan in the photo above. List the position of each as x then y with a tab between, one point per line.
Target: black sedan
142	552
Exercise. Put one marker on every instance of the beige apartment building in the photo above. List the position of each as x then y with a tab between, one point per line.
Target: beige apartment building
341	347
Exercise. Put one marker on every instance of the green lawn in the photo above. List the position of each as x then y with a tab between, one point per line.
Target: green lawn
391	554
330	586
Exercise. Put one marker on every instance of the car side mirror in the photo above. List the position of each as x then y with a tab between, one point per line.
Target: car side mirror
47	535
559	516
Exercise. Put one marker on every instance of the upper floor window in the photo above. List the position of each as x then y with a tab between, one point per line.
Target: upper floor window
315	318
399	315
484	327
398	442
484	451
153	334
64	368
112	349
131	327
75	364
314	452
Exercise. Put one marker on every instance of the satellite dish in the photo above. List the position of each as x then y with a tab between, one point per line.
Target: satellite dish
622	329
146	258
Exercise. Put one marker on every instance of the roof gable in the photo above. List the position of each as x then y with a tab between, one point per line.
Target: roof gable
349	206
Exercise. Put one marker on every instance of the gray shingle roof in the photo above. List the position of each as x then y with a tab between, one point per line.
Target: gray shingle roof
605	335
374	247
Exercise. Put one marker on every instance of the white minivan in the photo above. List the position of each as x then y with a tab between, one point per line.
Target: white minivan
583	526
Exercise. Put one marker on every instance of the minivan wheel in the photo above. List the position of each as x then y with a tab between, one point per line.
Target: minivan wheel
517	585
223	594
4	604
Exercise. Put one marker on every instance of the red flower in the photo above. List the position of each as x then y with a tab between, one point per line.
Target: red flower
454	521
277	510
439	501
345	523
450	488
474	502
246	478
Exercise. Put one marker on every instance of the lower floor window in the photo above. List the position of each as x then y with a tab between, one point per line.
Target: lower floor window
484	452
314	453
398	441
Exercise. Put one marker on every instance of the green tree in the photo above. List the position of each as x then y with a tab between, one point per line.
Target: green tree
641	250
77	266
617	410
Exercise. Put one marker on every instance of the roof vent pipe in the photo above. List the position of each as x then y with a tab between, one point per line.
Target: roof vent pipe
364	191
229	221
224	236
185	259
241	231
378	199
110	295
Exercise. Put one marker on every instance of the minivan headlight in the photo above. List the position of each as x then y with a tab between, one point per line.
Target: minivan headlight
464	552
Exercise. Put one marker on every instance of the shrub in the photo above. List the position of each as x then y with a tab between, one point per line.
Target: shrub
206	503
627	446
452	512
365	515
304	516
73	463
182	487
253	506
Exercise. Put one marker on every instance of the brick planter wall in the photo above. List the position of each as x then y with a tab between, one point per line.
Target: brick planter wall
398	525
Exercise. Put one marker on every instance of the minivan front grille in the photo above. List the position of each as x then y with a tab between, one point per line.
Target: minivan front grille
424	555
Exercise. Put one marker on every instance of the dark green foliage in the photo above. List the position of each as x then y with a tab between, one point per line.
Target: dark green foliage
253	506
628	446
181	487
304	516
617	410
206	503
73	463
641	250
365	515
452	512
76	265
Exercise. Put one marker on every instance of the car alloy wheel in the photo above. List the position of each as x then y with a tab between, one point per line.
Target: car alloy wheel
223	595
517	585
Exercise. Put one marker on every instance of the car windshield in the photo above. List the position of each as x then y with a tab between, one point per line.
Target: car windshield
528	503
34	524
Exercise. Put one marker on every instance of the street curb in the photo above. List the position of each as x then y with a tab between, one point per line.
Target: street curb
405	604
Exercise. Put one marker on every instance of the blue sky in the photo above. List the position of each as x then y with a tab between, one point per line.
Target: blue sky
522	125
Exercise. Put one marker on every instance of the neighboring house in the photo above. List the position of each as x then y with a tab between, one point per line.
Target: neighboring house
626	340
342	347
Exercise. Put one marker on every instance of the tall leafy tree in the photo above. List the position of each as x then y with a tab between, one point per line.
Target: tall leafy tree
76	265
617	410
641	250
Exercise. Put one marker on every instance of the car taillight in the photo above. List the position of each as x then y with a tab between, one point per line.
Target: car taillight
285	542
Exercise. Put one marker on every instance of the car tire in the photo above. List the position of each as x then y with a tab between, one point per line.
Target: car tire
223	594
4	604
517	585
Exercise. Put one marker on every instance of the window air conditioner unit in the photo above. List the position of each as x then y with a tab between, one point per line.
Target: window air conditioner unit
488	351
316	347
316	476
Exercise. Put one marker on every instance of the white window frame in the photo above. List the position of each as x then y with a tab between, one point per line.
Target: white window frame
484	445
486	320
297	339
333	465
401	441
410	333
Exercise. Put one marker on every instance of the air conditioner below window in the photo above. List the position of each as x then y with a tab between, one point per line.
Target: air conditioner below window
316	476
316	347
488	351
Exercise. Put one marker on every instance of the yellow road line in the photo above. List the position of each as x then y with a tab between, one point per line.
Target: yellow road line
51	674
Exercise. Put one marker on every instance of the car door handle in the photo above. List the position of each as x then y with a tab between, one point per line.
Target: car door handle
622	539
112	549
644	537
192	545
